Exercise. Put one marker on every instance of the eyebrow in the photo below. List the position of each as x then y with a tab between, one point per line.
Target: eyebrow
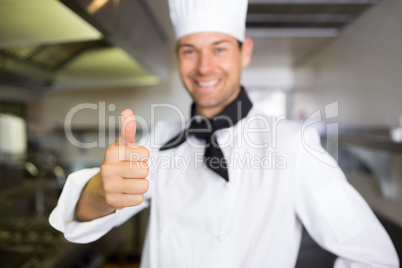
184	45
222	41
192	46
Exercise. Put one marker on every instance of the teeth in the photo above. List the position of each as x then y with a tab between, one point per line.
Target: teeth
208	84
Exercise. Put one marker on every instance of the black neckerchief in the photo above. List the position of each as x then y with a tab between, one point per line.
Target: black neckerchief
204	128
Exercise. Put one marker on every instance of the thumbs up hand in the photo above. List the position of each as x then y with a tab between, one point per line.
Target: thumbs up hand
125	167
128	127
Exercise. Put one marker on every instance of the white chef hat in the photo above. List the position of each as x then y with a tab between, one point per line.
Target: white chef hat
224	16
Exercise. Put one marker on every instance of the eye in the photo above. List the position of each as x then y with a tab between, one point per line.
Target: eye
219	50
188	51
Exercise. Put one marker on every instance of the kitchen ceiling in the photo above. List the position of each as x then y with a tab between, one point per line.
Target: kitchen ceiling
50	57
27	22
286	32
45	45
303	17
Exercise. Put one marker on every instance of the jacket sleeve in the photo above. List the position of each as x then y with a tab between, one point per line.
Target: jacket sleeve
62	217
334	213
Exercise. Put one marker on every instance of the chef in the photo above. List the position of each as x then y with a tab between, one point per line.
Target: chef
249	183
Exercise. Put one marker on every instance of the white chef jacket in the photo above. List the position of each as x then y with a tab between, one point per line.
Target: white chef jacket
255	220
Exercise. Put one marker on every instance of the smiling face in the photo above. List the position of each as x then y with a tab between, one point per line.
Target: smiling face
210	67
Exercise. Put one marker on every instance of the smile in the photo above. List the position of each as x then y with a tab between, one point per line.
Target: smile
211	83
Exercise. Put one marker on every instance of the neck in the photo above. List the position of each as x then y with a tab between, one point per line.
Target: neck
211	112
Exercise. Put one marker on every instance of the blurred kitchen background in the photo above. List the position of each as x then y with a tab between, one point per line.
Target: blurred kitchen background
337	63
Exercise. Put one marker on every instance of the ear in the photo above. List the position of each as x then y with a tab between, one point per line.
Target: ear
247	51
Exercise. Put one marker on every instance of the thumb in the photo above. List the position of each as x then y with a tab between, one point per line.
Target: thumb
128	126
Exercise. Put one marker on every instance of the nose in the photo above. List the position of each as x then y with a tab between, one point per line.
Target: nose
205	63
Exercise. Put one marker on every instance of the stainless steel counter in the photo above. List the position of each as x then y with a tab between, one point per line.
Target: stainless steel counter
382	155
373	141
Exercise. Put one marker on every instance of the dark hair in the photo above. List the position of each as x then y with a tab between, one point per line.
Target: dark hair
240	44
